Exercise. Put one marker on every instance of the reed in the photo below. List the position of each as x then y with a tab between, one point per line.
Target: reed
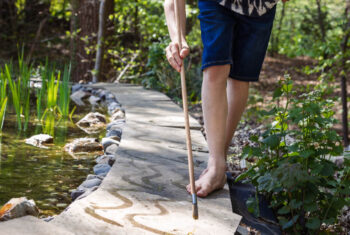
24	73
45	72
64	95
3	98
52	90
15	93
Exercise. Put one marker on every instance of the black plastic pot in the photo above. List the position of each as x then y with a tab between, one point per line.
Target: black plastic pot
240	193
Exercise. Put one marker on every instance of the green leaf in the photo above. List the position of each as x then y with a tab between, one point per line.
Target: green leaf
290	222
253	206
327	169
277	93
311	207
313	223
294	204
272	141
283	210
266	182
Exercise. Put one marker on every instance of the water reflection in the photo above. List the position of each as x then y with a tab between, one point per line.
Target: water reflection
45	175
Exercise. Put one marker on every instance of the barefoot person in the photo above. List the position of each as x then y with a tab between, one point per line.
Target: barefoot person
235	36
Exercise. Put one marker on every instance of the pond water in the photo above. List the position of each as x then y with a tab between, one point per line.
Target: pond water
45	175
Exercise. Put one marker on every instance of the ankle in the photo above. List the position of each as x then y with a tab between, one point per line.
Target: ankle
217	163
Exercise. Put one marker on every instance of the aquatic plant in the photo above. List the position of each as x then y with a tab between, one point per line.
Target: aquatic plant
3	98
20	89
24	74
52	89
45	72
64	95
15	90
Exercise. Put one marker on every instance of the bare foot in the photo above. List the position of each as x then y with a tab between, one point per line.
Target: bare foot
211	179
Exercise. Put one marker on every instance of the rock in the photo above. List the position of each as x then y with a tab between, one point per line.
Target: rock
94	100
83	145
103	94
113	107
92	122
114	134
110	97
111	149
116	124
87	192
76	193
87	89
101	169
108	141
76	87
90	176
78	96
90	183
48	219
105	159
39	140
18	207
117	115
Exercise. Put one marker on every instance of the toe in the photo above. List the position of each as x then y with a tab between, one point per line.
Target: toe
202	193
198	187
188	188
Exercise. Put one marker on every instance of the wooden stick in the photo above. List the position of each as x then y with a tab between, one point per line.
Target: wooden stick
187	122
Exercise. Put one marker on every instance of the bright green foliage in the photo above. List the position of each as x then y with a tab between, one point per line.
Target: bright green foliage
301	31
18	79
45	74
3	98
24	74
15	93
64	93
303	185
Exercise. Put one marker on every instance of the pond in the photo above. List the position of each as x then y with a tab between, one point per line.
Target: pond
45	175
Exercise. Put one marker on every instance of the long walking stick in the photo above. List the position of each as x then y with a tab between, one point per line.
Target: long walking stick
187	122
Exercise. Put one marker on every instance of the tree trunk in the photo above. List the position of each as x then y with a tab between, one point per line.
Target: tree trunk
343	75
100	43
84	26
275	39
321	20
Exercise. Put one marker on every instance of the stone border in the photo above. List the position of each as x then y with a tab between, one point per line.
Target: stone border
110	142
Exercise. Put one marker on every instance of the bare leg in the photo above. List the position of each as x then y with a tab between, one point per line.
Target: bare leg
214	103
237	96
213	177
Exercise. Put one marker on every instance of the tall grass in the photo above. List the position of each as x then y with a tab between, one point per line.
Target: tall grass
45	72
20	89
24	74
3	98
15	90
52	91
64	96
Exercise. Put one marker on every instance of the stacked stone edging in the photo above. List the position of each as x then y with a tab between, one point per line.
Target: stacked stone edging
110	142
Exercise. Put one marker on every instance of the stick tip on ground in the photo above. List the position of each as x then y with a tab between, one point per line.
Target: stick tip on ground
195	211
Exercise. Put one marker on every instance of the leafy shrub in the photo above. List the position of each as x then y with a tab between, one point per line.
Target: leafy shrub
303	185
163	77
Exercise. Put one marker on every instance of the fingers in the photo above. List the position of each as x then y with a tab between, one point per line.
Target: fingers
175	56
184	52
172	54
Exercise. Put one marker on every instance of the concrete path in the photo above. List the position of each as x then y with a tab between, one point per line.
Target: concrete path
144	192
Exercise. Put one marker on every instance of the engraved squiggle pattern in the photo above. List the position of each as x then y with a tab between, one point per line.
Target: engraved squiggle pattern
162	212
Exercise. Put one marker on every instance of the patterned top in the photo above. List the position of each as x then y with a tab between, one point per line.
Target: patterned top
249	7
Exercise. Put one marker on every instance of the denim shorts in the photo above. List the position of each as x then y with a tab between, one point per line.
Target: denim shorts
235	39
